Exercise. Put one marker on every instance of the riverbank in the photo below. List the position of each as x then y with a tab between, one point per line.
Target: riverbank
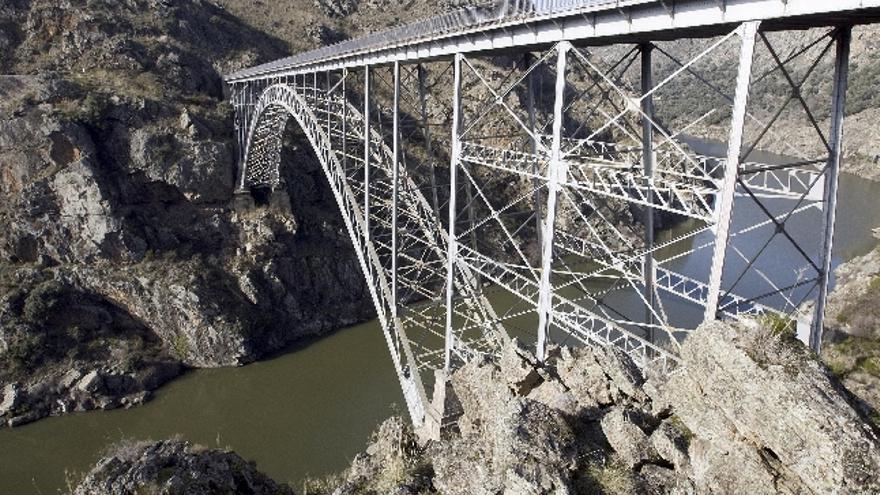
303	413
587	421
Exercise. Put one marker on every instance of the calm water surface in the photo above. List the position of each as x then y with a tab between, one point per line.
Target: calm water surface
307	412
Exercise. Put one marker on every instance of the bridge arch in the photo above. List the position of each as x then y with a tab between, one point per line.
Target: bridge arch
408	316
277	104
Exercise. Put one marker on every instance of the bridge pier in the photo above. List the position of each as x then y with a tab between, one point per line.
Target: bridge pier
647	81
724	202
832	171
556	173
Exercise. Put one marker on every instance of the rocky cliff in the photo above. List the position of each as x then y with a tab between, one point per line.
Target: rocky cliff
852	341
175	467
124	257
750	411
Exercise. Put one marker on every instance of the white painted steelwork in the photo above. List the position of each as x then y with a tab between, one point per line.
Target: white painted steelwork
550	195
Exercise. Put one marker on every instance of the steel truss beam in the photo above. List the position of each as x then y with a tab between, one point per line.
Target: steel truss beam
549	199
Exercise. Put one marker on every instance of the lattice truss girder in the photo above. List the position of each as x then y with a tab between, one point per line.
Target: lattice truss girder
383	189
602	152
488	197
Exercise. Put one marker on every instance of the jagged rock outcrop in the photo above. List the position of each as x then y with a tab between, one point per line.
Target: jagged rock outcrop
751	411
393	463
336	8
175	468
767	402
517	443
116	182
852	324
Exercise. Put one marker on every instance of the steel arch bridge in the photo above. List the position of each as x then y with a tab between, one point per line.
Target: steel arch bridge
502	169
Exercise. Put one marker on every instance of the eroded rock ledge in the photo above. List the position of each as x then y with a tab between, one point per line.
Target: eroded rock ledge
752	412
175	467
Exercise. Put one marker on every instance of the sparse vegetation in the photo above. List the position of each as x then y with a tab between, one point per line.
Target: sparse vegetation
607	478
853	354
862	315
180	346
686	433
778	324
323	485
41	301
774	341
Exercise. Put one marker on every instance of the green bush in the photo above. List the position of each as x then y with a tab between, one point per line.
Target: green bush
42	300
778	325
180	346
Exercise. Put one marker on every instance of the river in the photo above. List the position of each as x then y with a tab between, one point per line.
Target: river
309	411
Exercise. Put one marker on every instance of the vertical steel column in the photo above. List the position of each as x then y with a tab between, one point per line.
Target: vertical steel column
239	133
246	128
556	172
648	166
395	186
343	100
435	202
536	183
452	248
367	152
724	201
327	108
832	170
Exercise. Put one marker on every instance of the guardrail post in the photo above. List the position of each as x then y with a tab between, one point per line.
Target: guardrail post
724	200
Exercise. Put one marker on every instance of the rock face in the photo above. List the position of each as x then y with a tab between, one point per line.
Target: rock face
172	468
779	407
852	324
750	411
518	443
393	463
122	248
336	8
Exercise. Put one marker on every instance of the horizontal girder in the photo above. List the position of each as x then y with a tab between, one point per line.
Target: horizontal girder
596	22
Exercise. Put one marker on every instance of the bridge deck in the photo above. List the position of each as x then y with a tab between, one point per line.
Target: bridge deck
525	23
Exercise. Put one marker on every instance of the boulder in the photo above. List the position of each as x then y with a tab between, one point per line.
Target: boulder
507	442
521	369
629	442
599	376
727	465
671	445
91	383
753	397
12	397
175	467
